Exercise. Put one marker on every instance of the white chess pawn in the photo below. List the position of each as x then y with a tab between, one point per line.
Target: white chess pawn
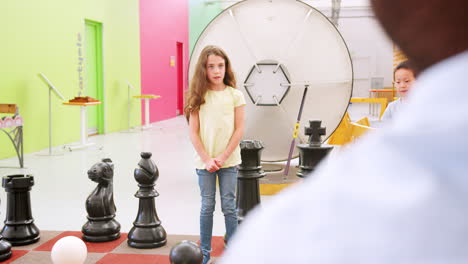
69	250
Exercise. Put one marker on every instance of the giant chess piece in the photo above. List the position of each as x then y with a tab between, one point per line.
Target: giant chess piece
101	225
186	252
250	171
147	231
5	249
19	226
312	153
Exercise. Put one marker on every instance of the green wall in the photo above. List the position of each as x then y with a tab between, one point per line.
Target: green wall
42	36
201	12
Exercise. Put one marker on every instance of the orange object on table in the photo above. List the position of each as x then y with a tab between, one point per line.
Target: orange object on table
83	103
85	99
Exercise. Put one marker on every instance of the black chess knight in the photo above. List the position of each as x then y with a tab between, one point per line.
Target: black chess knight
101	225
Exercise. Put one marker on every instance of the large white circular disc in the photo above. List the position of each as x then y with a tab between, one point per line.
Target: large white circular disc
308	47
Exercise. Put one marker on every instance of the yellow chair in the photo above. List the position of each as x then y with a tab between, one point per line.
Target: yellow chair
348	131
382	101
342	134
358	130
363	121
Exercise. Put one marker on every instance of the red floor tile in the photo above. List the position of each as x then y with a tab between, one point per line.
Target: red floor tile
15	254
217	246
133	258
103	247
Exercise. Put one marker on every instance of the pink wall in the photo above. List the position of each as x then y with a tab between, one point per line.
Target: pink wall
162	25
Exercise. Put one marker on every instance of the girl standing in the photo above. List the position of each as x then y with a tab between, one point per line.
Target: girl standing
215	110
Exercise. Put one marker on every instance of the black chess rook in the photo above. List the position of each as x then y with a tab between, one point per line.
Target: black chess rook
19	226
250	171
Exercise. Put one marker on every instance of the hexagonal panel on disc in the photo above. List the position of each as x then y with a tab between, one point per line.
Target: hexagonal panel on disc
267	87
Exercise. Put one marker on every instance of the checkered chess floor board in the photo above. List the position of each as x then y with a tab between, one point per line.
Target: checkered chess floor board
115	252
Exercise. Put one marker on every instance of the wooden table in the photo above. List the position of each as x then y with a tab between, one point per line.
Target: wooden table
388	93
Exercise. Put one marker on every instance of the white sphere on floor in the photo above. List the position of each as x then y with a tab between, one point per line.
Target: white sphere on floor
69	250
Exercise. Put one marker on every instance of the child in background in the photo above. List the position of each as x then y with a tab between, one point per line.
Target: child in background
215	110
404	76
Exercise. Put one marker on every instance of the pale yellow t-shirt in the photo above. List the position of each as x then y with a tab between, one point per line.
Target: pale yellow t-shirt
217	124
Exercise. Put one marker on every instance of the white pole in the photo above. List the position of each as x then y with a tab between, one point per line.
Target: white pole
83	125
128	108
51	88
147	119
50	121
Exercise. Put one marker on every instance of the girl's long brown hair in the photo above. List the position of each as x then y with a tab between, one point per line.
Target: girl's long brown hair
199	84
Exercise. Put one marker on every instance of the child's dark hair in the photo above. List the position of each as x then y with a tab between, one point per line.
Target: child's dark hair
405	65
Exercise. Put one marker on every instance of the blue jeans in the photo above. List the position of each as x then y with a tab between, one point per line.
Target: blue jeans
227	178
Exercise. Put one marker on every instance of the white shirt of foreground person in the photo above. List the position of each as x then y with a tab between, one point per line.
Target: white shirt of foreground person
397	196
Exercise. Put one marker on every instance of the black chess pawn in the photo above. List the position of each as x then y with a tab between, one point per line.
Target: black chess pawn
101	225
147	231
250	171
312	153
5	249
19	226
186	252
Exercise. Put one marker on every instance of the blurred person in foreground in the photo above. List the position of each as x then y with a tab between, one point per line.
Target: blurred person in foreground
353	209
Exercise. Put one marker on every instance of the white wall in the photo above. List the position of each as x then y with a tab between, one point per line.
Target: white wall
371	50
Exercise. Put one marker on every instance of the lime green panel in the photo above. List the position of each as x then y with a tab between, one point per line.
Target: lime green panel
91	82
94	86
44	36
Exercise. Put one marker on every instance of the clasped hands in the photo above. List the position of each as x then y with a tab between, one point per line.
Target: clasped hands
214	164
